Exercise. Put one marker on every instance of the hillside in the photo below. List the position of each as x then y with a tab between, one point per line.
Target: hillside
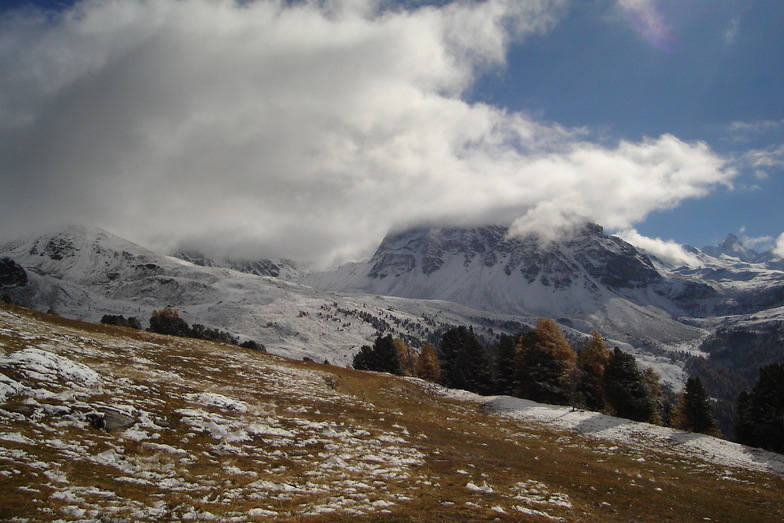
98	422
84	273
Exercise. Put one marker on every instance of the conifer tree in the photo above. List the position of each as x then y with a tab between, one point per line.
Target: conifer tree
545	365
624	387
694	411
382	357
592	361
428	368
505	358
464	361
661	407
760	413
168	321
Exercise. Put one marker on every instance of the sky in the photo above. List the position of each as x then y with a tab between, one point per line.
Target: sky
309	129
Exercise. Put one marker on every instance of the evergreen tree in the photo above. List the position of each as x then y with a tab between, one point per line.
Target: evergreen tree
382	357
592	361
760	414
428	368
464	361
505	358
624	387
661	407
545	365
694	411
168	321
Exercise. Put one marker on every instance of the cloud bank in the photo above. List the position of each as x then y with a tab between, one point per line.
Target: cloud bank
301	129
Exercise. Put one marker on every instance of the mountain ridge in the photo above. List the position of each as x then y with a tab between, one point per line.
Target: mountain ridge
417	284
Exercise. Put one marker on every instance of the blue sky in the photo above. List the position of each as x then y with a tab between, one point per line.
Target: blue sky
716	75
309	129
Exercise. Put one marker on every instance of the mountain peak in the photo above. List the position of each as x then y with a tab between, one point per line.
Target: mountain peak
733	247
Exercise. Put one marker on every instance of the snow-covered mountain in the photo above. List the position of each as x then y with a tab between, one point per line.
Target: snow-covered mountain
731	247
418	283
588	276
283	269
84	273
588	279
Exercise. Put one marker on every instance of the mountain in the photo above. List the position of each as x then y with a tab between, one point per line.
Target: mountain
417	284
732	247
585	277
84	273
99	423
283	269
588	279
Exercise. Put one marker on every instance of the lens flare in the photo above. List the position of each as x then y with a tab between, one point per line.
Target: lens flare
649	23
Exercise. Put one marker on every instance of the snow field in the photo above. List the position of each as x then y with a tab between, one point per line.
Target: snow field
206	449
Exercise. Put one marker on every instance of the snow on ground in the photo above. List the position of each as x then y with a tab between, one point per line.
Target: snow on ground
640	435
174	433
171	430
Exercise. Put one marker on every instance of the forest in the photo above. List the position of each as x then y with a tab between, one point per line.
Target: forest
541	365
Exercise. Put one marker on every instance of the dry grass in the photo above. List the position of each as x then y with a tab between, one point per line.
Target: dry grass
333	413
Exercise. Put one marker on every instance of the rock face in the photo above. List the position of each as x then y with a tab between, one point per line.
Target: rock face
11	273
605	259
285	269
486	267
732	247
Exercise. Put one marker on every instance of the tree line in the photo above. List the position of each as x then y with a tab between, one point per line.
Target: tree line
541	365
168	321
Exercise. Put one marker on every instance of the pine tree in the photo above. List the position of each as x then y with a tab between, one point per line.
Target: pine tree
545	365
624	387
168	321
760	414
652	382
464	361
505	357
428	368
382	357
592	361
694	411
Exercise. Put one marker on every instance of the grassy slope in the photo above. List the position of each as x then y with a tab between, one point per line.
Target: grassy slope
355	445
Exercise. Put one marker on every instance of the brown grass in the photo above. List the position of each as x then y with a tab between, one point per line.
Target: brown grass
602	483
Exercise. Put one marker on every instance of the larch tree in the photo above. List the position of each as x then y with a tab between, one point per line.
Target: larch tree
592	361
428	367
546	364
406	357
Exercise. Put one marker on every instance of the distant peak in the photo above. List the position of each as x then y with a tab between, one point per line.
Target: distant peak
733	247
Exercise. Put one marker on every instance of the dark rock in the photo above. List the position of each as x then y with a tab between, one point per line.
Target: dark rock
12	274
109	420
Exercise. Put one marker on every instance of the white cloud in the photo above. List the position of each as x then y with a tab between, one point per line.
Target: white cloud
758	243
778	250
645	16
666	250
732	31
304	129
772	156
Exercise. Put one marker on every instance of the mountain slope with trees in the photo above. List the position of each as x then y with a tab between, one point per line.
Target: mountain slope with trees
168	428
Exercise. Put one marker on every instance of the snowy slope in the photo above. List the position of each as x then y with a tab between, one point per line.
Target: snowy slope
417	284
590	279
85	273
